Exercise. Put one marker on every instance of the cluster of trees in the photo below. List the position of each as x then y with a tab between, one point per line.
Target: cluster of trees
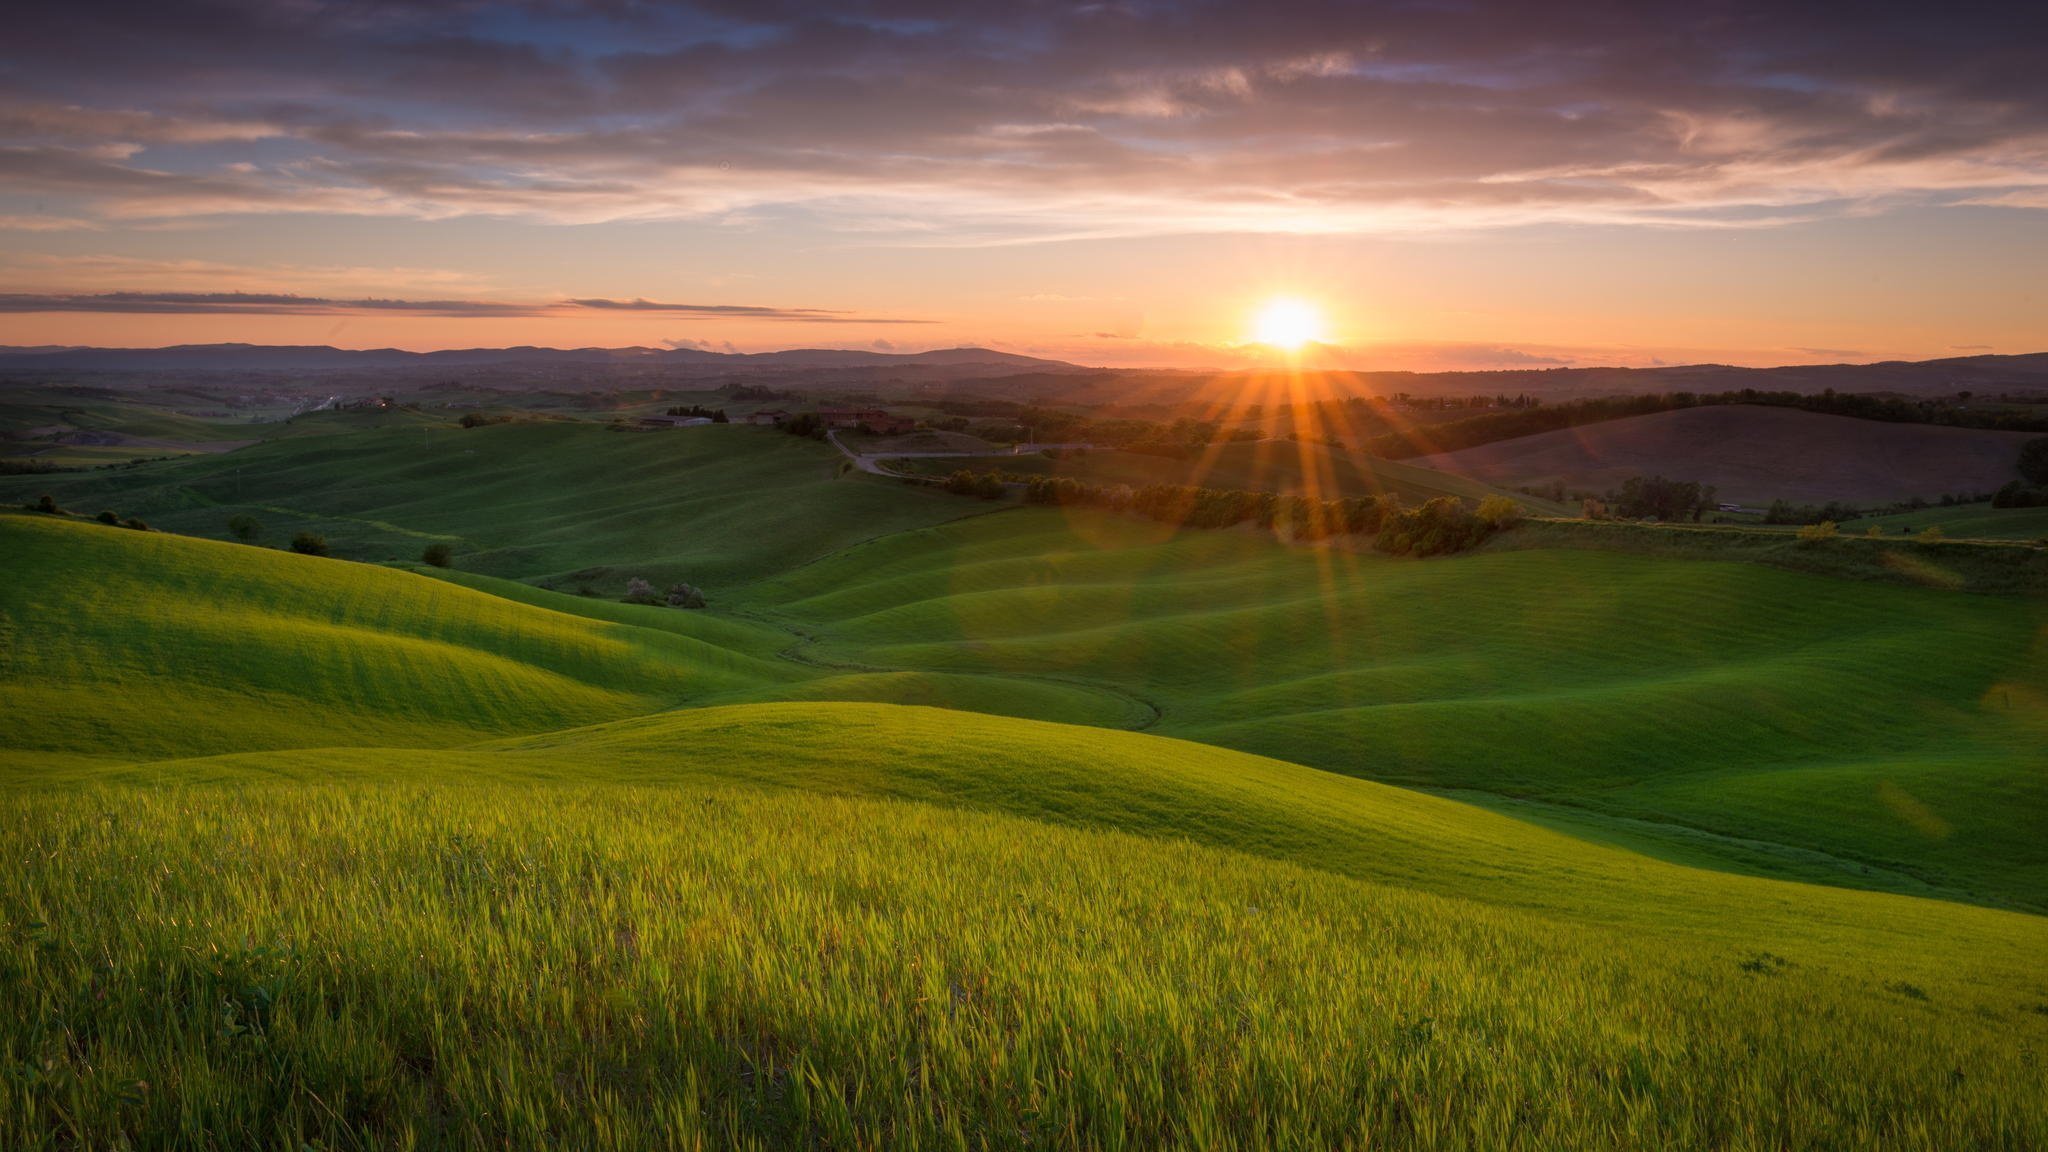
751	393
1784	511
639	591
2032	490
47	504
809	425
1450	403
480	419
1439	526
987	485
2020	495
1528	421
698	411
33	467
1641	497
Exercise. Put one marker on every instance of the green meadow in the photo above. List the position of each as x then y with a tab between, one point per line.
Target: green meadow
960	824
1255	466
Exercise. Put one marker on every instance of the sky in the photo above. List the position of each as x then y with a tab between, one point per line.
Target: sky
1458	184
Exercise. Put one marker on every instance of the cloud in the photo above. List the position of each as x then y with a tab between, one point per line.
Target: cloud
290	304
39	223
251	304
741	312
983	123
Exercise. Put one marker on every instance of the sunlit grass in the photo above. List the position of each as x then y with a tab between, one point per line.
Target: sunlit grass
418	965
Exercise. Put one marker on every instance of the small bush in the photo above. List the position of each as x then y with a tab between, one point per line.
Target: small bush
245	528
1814	533
685	596
309	544
1931	533
1500	512
135	523
109	517
639	591
47	503
438	555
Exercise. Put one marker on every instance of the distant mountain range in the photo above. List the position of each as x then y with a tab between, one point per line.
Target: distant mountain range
984	372
320	357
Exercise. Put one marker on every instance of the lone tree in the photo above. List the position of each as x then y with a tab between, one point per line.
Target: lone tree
2034	460
245	527
309	544
438	555
110	517
639	591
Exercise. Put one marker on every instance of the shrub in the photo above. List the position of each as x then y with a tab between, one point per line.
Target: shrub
109	517
639	591
685	596
1593	509
2033	463
1932	533
245	527
47	503
989	486
137	524
1438	527
437	554
309	544
1500	512
1814	533
1642	496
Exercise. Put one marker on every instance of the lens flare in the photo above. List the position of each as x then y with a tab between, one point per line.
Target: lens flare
1287	323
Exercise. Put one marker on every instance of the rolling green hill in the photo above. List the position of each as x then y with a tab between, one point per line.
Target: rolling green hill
871	925
312	853
1962	522
1260	466
1898	731
143	645
570	502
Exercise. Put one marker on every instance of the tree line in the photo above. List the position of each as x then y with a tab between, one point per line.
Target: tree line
1436	527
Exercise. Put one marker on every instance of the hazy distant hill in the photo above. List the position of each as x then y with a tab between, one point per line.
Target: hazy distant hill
320	357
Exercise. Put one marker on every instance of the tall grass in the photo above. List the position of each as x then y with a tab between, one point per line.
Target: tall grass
417	965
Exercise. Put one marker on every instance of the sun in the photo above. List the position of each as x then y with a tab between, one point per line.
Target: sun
1287	323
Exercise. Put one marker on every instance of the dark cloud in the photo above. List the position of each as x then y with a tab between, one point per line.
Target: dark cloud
249	303
741	312
284	304
983	122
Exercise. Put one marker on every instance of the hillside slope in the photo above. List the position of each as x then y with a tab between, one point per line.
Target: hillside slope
1753	455
573	503
1898	731
1257	466
615	938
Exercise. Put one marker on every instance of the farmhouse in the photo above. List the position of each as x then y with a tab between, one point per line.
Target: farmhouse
674	421
886	425
768	416
850	417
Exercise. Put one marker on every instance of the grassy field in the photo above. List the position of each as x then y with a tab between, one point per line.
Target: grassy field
1962	522
315	854
828	925
570	503
1896	730
1259	466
